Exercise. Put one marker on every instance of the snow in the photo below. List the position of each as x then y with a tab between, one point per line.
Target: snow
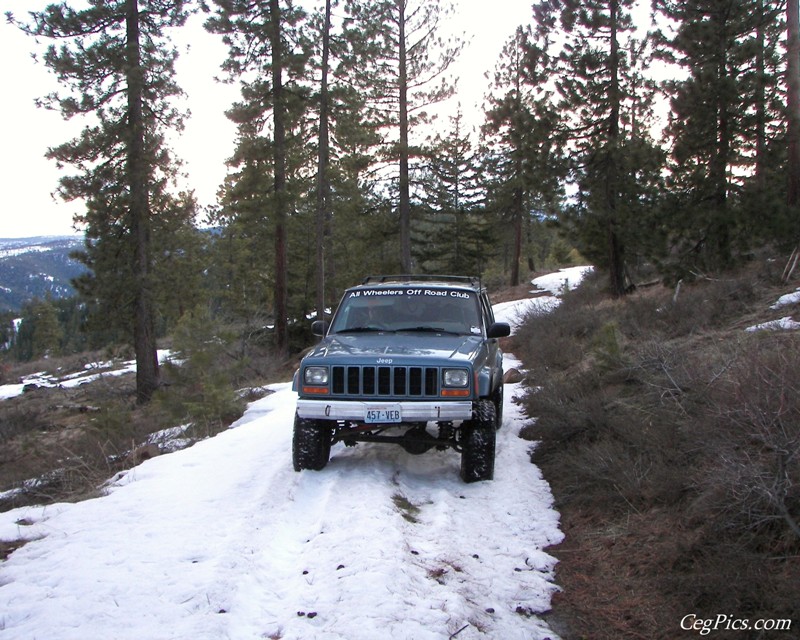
224	540
787	300
787	323
555	283
562	280
92	372
10	251
784	324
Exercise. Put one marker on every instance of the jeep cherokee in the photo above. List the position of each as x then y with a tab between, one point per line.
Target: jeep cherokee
408	360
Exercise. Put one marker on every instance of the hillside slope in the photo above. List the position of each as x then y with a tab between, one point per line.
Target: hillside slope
668	425
37	267
224	540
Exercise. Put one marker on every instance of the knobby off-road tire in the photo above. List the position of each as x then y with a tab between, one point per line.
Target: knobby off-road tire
311	444
498	404
478	444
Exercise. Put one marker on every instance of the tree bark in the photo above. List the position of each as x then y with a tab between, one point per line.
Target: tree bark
616	252
279	159
793	99
761	101
144	339
517	215
404	209
323	180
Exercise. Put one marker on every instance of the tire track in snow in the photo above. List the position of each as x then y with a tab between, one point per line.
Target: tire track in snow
334	557
225	540
486	553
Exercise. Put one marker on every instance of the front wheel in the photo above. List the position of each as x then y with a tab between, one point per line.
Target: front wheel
311	444
478	438
498	404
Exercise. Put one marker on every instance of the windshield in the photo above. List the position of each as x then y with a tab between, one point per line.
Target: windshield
407	309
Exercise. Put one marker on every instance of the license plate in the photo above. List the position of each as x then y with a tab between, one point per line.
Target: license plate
384	414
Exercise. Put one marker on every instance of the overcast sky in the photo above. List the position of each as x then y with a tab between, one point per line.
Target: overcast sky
27	179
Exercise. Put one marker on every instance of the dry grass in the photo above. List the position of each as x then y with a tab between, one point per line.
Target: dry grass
671	439
61	444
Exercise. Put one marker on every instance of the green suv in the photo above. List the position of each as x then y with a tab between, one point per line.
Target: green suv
408	360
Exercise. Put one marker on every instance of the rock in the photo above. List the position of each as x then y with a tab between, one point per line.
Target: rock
145	452
512	376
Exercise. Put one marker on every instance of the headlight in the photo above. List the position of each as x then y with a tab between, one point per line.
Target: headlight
456	377
316	375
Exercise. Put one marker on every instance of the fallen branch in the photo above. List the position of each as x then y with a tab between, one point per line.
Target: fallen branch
791	264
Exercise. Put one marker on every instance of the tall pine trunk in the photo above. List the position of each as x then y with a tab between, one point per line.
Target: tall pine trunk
516	216
616	252
279	158
323	180
144	339
793	100
404	209
518	198
719	229
761	101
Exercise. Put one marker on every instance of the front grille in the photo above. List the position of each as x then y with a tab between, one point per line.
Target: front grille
386	382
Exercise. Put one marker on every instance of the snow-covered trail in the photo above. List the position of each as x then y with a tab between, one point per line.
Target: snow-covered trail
225	540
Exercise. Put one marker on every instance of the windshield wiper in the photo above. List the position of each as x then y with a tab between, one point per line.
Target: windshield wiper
361	330
426	329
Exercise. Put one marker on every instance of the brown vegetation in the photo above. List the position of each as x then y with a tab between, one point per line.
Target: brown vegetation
63	443
671	439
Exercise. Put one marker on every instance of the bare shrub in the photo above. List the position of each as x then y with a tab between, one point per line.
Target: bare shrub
687	310
16	419
202	386
547	342
753	414
671	440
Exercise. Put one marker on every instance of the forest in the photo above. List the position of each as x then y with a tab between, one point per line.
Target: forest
656	142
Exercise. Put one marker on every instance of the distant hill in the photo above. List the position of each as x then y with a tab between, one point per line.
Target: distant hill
33	267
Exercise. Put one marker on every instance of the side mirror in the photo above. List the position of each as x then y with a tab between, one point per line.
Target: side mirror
499	330
319	327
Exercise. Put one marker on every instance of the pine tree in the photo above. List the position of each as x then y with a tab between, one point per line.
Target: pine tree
267	54
793	100
604	107
405	61
323	200
47	332
38	332
523	159
450	201
715	144
116	66
344	137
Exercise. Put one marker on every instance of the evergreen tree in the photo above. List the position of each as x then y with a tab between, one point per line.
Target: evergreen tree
605	107
454	231
761	196
323	200
345	138
47	332
793	118
715	144
267	54
8	331
793	98
523	156
403	72
117	67
72	320
39	333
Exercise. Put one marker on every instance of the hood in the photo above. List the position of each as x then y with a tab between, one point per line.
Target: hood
398	346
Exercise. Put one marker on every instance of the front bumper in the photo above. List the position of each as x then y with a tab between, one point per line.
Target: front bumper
423	411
